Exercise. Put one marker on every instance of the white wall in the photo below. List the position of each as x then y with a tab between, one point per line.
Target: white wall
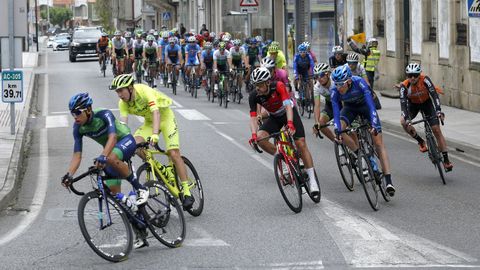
350	17
474	25
443	29
368	18
390	25
416	26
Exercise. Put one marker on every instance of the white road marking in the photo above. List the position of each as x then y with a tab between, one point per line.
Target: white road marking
296	265
68	112
192	114
205	240
177	104
56	121
367	243
41	188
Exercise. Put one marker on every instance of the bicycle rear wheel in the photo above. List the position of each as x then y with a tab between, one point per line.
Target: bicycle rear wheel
196	188
344	165
288	183
225	95
105	226
164	215
435	156
367	178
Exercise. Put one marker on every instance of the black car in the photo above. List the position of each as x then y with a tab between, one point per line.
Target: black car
84	43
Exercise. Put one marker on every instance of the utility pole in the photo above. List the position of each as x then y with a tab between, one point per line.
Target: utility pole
48	14
36	21
11	48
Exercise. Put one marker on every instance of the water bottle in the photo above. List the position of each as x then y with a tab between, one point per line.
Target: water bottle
374	164
131	200
364	167
170	174
121	197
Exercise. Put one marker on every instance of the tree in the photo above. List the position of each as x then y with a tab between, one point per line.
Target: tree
103	8
58	15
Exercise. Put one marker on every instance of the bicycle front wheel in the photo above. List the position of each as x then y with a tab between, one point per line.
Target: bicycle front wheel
196	189
436	157
367	178
288	183
344	165
105	226
164	215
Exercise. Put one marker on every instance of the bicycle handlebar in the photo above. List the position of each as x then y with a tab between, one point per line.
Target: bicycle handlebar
91	170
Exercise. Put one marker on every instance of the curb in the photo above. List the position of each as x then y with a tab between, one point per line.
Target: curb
15	167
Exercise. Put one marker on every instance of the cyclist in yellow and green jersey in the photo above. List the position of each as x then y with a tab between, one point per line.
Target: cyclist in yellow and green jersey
277	55
154	107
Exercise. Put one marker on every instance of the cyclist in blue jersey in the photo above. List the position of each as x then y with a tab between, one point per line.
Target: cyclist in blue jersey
173	56
206	60
192	55
303	69
118	144
357	100
163	44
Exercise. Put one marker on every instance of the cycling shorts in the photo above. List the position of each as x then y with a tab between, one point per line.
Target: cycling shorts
102	49
193	62
222	68
350	112
174	60
253	62
237	64
130	51
427	108
275	123
168	128
119	53
328	110
124	150
209	65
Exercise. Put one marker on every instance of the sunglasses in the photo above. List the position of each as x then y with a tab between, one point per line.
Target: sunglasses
77	112
340	84
413	75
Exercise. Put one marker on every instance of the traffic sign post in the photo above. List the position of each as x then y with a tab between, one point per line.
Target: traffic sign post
249	6
12	86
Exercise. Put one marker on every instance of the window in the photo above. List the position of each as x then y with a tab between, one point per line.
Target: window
430	12
461	22
379	18
359	8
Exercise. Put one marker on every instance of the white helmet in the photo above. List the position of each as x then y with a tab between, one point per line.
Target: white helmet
321	67
118	33
267	62
164	34
172	39
337	49
191	39
413	68
128	35
371	41
259	75
352	58
259	39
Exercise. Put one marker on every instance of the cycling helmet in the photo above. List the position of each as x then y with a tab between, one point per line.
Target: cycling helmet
226	38
104	34
267	62
212	34
118	33
253	41
372	42
128	35
164	34
208	45
337	49
352	58
276	43
273	48
139	35
321	67
302	48
307	44
341	74
221	45
191	39
413	68
152	32
237	42
150	38
259	75
155	34
172	39
259	38
80	101
122	81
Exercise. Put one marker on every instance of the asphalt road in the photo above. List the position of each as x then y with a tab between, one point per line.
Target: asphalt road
245	223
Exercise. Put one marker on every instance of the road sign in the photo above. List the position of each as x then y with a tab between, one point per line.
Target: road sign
249	3
166	16
473	7
249	9
12	86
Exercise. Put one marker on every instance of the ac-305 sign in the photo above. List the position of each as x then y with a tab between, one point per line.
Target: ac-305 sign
12	86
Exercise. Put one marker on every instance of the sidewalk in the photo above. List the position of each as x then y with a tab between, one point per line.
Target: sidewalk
11	146
461	129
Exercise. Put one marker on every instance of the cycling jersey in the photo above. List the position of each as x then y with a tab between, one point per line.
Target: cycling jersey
129	43
281	76
148	100
419	93
172	53
302	65
192	51
274	102
280	60
138	47
103	42
119	44
163	43
221	58
237	56
336	63
359	71
207	58
312	54
228	45
150	51
320	90
253	54
357	100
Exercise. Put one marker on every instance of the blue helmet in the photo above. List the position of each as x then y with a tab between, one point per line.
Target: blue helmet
302	48
341	73
80	101
253	41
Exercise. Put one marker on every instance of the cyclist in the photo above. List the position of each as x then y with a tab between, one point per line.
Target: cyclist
206	60
417	93
323	87
238	54
154	107
303	69
138	45
252	58
357	100
312	54
118	144
150	56
173	56
102	47
119	48
129	47
357	70
273	96
338	58
227	39
372	56
278	74
222	62
276	54
192	56
163	43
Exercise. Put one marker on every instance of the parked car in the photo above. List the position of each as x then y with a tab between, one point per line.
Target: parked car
50	42
61	42
84	43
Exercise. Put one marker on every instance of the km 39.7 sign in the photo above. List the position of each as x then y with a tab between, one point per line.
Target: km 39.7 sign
12	86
